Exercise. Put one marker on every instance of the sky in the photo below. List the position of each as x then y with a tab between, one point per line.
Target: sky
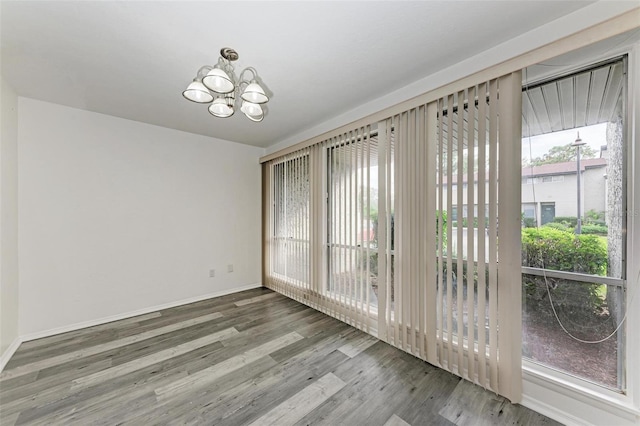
594	136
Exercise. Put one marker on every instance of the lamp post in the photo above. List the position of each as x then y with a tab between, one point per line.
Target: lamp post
578	143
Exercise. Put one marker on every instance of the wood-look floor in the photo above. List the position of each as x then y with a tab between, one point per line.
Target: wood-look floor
254	357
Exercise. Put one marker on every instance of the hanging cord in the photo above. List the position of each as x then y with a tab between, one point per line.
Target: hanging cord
591	342
544	273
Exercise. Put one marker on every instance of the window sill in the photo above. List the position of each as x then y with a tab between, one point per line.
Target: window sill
591	395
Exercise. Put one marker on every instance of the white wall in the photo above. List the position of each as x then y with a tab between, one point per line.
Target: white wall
117	216
8	221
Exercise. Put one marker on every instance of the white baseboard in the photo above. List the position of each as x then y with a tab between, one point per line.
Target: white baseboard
6	356
100	321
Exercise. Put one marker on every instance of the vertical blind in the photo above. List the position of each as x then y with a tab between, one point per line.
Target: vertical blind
408	228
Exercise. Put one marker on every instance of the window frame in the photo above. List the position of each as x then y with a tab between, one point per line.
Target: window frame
559	384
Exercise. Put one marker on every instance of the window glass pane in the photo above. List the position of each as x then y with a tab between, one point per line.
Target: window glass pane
581	309
352	205
574	179
291	219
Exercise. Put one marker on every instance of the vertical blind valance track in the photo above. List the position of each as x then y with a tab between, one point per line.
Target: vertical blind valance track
401	228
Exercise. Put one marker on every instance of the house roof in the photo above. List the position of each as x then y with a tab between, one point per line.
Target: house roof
563	168
547	169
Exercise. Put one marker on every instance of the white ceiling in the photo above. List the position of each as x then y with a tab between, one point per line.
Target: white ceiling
320	59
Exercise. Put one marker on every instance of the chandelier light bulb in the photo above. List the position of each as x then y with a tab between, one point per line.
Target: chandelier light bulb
249	108
254	93
256	118
218	81
197	92
220	108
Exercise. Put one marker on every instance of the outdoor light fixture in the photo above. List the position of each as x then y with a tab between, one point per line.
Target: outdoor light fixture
218	85
578	143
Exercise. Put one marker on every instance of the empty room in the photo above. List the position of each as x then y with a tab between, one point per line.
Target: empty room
320	213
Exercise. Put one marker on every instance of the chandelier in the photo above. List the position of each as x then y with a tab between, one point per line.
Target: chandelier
219	86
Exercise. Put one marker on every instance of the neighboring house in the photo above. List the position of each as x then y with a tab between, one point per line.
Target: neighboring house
550	190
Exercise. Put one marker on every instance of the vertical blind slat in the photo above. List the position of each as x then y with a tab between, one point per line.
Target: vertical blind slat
449	304
382	231
482	149
459	228
439	230
430	223
493	219
414	231
470	125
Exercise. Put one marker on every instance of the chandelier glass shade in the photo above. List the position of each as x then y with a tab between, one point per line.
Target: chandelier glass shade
218	85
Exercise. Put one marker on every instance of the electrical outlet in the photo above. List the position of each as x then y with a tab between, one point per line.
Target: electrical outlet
212	273
230	268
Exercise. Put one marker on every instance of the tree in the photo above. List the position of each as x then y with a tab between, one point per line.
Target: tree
563	154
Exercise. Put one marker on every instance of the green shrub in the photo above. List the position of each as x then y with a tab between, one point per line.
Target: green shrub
594	229
559	226
561	250
529	222
570	221
442	226
593	216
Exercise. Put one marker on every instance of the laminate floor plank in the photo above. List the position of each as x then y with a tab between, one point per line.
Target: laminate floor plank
467	406
251	399
427	395
352	349
216	405
299	405
256	299
81	353
395	420
110	326
123	354
253	357
16	382
51	385
157	357
8	420
109	395
364	377
232	364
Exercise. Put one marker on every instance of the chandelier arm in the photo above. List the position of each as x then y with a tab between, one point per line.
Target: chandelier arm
203	71
252	71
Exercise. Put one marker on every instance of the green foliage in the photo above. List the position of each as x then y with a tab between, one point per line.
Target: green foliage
593	216
569	221
559	226
561	250
594	229
442	227
529	222
563	154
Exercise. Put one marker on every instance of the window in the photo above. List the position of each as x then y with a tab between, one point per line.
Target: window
573	276
352	220
290	240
